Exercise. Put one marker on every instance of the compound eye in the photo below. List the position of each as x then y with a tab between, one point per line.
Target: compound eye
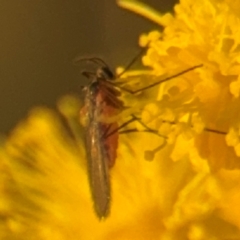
105	73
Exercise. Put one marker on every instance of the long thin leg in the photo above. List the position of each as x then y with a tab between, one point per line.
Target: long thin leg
106	131
149	154
215	131
120	127
149	130
161	81
132	62
134	118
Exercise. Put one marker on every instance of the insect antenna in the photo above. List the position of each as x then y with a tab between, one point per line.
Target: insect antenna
97	61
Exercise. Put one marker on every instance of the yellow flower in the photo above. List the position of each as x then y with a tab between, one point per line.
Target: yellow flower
175	182
203	32
204	103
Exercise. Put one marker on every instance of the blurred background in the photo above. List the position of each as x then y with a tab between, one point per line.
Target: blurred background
40	38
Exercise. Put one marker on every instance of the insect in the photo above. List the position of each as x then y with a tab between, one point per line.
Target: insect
101	103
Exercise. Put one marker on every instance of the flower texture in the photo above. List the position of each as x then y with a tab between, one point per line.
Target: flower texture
177	178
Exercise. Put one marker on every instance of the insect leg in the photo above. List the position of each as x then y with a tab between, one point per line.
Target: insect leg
107	134
161	81
132	62
148	154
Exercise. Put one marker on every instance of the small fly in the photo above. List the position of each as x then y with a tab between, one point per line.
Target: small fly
101	103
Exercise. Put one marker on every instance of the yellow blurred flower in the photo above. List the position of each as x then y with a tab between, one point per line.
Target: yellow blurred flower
183	185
